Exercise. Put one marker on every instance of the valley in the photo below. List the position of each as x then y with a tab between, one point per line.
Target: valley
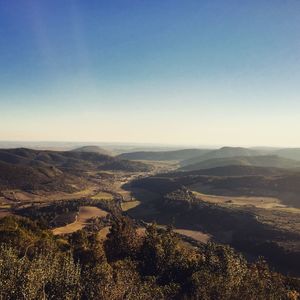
255	209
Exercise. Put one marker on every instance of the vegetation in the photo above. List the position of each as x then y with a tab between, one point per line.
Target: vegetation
29	178
36	265
60	213
132	261
260	161
224	152
292	153
31	170
94	149
252	231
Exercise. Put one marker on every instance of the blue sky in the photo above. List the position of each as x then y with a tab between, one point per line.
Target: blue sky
181	72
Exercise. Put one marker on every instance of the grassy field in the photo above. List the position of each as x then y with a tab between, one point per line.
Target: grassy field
4	213
130	205
259	202
42	196
196	235
103	196
84	215
102	234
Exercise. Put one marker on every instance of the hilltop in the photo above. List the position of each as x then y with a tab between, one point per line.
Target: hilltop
93	149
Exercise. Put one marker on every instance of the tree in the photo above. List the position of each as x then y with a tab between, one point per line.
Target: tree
122	241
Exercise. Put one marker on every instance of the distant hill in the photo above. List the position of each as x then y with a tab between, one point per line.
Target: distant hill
93	149
240	170
291	153
29	169
35	178
68	160
222	153
259	161
164	155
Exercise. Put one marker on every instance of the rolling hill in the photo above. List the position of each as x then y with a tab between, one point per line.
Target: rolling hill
178	155
258	161
291	153
28	169
29	178
222	153
181	198
240	170
67	160
93	149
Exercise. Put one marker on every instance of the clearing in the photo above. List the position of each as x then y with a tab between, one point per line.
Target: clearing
82	219
259	202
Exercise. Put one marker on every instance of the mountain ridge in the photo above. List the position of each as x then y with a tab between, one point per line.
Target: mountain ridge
223	153
258	161
163	155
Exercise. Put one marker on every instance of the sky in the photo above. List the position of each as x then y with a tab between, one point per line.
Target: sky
150	71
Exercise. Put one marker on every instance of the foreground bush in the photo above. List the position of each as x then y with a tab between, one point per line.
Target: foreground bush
157	265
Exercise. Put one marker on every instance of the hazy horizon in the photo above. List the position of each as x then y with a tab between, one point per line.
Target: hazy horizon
130	145
171	72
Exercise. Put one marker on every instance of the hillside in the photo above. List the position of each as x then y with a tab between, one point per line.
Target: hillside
256	214
259	161
68	160
35	178
224	152
164	155
32	170
233	180
291	153
240	170
93	149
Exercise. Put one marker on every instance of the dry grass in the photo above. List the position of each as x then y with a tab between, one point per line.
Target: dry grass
129	205
102	234
103	196
85	214
42	196
259	202
4	213
196	235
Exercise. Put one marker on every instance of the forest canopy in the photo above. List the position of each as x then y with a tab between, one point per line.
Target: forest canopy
34	264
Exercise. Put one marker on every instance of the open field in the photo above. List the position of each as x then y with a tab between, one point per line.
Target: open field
259	202
103	196
84	215
287	219
194	234
4	213
42	196
130	205
102	234
268	210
